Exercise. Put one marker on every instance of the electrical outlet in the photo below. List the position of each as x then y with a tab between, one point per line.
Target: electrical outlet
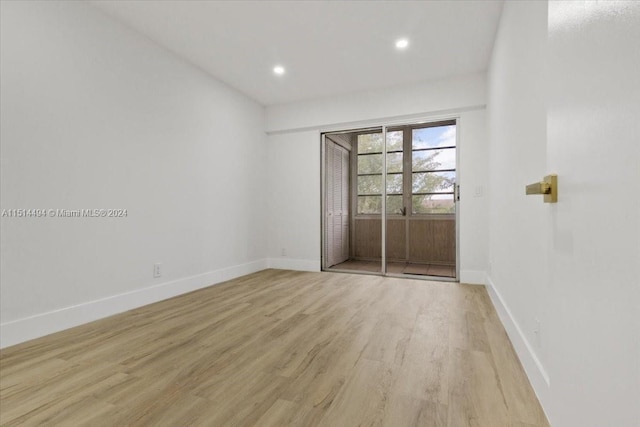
478	191
283	252
157	269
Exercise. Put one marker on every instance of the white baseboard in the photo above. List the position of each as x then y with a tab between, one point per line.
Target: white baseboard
473	277
295	264
17	331
533	367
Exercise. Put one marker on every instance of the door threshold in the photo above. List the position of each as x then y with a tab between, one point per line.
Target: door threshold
395	276
423	277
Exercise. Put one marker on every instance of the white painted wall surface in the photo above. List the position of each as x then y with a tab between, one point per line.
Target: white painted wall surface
575	264
593	145
293	200
294	169
94	115
436	96
473	176
516	111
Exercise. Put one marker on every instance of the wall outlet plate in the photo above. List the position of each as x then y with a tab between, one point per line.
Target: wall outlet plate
157	269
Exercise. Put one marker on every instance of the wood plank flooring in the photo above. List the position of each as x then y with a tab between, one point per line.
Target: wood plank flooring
279	348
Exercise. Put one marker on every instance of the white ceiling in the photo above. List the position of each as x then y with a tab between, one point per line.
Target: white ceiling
327	47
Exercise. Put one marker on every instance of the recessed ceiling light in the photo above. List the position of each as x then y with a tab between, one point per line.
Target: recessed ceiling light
278	69
402	43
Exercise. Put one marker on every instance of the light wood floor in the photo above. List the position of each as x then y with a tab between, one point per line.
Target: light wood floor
280	348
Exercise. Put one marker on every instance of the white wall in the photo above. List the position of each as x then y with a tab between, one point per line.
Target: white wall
517	156
293	207
564	97
437	96
592	129
294	163
473	175
94	115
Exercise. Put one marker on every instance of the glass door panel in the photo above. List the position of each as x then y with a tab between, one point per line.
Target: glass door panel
396	209
431	223
369	191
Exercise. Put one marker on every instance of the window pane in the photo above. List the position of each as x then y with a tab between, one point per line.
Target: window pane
433	182
434	204
394	162
394	140
394	183
369	204
394	205
371	163
434	159
433	137
370	143
370	184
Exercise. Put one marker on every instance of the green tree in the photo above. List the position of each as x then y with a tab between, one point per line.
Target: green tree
424	179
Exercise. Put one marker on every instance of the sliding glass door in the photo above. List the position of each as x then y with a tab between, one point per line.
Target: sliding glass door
367	166
398	181
401	201
363	186
421	200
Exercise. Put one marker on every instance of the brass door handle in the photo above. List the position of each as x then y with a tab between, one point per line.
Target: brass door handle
548	188
539	188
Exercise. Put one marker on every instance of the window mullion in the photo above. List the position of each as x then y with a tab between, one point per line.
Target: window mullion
407	169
